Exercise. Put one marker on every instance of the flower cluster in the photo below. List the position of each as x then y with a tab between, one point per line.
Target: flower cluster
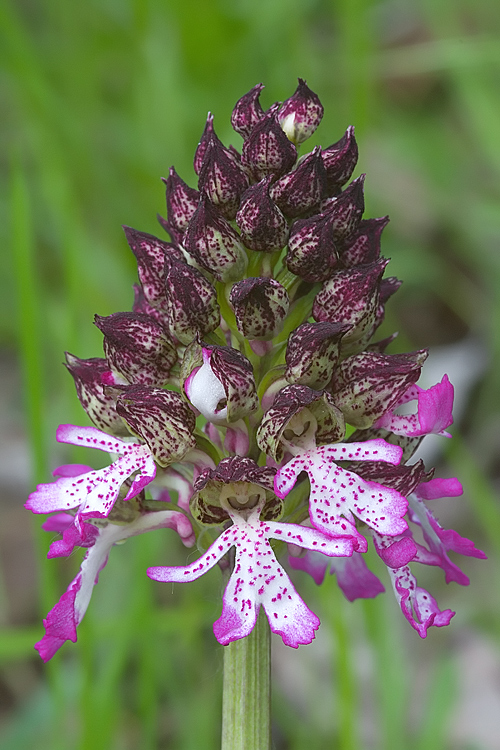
244	395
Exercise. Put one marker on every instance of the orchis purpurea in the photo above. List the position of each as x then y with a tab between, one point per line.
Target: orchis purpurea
244	394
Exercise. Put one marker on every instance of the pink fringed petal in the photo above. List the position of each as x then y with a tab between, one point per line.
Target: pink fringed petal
440	541
95	492
417	605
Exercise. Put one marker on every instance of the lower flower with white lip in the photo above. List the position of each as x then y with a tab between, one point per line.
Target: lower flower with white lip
258	579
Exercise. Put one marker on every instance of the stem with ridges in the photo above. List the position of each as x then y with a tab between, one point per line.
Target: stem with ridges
246	701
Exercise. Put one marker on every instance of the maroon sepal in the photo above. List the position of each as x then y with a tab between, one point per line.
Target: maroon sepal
150	253
262	225
182	200
364	245
303	188
99	406
222	178
247	112
340	159
267	150
346	209
137	347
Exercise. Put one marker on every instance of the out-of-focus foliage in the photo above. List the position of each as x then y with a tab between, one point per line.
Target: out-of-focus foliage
99	98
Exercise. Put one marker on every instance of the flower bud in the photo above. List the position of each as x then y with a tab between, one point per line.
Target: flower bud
192	306
367	385
222	178
260	306
137	347
267	150
364	245
346	209
303	188
162	418
214	244
242	483
206	137
310	417
312	250
300	115
313	352
99	406
247	112
182	201
262	225
340	159
223	387
353	297
150	254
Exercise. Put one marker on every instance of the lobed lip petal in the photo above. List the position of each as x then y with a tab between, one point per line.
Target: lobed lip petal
337	494
258	579
63	619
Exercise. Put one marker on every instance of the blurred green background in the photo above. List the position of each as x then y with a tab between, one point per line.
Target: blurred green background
98	99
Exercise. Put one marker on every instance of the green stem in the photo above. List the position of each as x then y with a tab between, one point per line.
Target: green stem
246	700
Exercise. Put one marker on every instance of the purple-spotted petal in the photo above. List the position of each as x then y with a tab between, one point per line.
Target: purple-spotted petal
337	494
441	541
94	492
258	579
63	619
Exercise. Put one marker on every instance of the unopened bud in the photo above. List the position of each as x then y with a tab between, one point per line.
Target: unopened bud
300	115
340	159
260	306
303	188
247	112
313	352
262	225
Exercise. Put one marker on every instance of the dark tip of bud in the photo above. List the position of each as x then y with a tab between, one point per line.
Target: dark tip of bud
347	209
247	111
206	137
364	245
340	160
181	200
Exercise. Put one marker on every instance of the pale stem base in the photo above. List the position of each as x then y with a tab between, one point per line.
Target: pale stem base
246	699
